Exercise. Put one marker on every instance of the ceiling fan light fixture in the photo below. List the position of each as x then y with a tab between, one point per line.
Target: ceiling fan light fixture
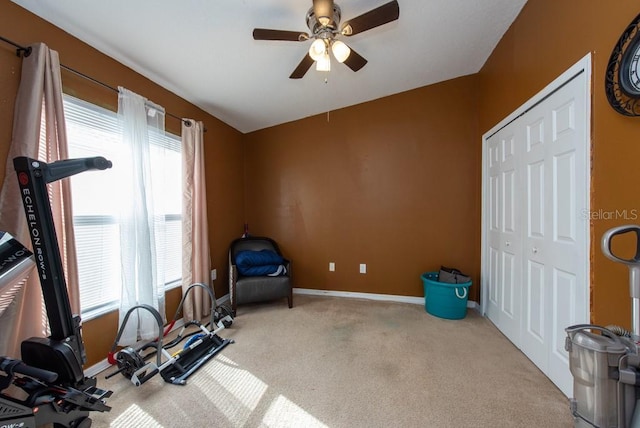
317	49
340	50
324	63
323	20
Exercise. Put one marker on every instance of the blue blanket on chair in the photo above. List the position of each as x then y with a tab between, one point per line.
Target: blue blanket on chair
260	263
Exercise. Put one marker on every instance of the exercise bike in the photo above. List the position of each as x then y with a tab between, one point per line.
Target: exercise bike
50	371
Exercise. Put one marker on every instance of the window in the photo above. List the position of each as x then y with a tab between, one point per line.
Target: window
94	131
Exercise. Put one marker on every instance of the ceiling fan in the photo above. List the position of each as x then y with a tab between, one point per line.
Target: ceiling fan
323	20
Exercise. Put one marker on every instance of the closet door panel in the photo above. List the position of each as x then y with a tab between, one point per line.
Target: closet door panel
538	235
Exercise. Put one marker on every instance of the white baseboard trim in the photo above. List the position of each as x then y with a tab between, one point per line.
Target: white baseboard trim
97	368
369	296
357	295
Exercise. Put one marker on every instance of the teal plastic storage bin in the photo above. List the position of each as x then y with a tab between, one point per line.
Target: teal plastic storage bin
445	300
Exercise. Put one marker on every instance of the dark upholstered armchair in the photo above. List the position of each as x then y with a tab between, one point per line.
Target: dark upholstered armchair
249	259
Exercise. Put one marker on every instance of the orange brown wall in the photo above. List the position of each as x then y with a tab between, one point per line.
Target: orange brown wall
395	183
392	183
546	39
223	144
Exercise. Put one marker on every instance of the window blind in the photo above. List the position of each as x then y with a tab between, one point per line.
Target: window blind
95	131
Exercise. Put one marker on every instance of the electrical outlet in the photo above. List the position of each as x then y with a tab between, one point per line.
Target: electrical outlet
214	274
363	268
332	267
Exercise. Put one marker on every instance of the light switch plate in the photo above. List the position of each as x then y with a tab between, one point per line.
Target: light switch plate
332	267
363	268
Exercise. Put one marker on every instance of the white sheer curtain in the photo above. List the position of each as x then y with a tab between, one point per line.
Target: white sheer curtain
21	311
196	262
142	281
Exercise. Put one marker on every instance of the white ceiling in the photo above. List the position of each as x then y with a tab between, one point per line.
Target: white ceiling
203	50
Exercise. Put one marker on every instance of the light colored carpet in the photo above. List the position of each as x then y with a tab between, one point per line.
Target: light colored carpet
337	362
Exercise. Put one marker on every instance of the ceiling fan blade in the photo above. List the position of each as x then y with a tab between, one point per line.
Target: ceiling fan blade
302	68
291	36
355	61
374	18
323	9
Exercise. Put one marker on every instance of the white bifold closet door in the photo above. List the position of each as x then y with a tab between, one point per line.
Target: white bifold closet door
536	230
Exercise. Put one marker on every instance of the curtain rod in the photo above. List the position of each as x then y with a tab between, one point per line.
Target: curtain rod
26	51
104	85
19	49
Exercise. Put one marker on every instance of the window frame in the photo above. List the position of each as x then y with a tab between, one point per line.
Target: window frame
169	141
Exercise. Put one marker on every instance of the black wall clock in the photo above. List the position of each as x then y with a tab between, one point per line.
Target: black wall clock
622	79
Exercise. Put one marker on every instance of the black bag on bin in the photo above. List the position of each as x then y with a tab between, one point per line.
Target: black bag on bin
452	276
